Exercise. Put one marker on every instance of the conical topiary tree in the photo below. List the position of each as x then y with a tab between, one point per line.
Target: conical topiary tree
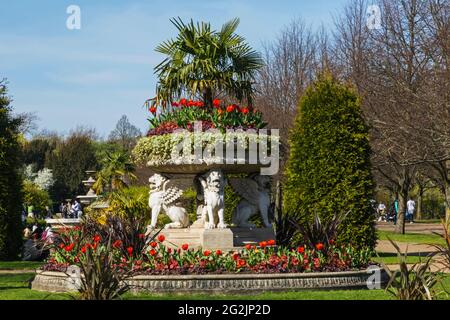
329	169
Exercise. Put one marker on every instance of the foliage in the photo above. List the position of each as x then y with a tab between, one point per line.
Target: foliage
68	162
319	231
116	170
34	196
37	150
204	62
444	250
10	180
329	168
157	150
414	283
125	134
185	113
44	179
102	280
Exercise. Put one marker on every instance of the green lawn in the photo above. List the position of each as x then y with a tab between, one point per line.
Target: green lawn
20	265
17	287
391	258
411	237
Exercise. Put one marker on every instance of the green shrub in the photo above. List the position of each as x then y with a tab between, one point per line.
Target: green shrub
36	197
329	167
10	180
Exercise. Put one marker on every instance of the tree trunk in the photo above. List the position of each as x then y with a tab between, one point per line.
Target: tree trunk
402	198
208	97
419	204
447	192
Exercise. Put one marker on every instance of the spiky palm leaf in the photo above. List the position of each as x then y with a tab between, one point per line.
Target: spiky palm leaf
203	62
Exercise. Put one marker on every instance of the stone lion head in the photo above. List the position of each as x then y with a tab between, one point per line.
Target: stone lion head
156	181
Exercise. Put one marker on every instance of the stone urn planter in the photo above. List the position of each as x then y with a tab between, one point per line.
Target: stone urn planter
203	161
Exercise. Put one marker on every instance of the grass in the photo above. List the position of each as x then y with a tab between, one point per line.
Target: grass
17	287
391	258
418	238
20	265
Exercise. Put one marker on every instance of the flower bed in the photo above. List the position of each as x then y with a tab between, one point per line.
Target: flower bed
156	258
184	112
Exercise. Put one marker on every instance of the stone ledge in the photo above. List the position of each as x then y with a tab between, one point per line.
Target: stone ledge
223	283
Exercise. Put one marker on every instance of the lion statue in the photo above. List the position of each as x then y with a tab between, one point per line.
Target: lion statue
255	194
163	196
213	183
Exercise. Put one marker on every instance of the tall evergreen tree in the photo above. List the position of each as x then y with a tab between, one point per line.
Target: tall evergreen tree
10	180
329	167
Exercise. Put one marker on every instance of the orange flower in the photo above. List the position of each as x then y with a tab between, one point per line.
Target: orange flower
248	246
152	252
271	242
319	246
301	249
220	111
263	244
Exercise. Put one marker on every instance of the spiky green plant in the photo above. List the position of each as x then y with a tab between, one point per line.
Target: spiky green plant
100	278
411	283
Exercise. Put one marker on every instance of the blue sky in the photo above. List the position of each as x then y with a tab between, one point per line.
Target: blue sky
94	75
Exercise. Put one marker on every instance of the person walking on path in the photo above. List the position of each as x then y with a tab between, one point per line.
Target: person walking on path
410	207
395	210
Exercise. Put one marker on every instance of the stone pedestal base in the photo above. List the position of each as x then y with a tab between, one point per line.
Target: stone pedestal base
213	239
243	236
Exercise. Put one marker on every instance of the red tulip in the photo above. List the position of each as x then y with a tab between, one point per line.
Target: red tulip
96	238
248	246
244	110
271	242
319	246
230	108
301	249
130	250
185	246
219	252
183	102
263	244
216	103
152	109
117	244
207	253
161	238
152	252
153	244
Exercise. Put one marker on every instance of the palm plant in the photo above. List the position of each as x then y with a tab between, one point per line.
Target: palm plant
204	63
117	168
